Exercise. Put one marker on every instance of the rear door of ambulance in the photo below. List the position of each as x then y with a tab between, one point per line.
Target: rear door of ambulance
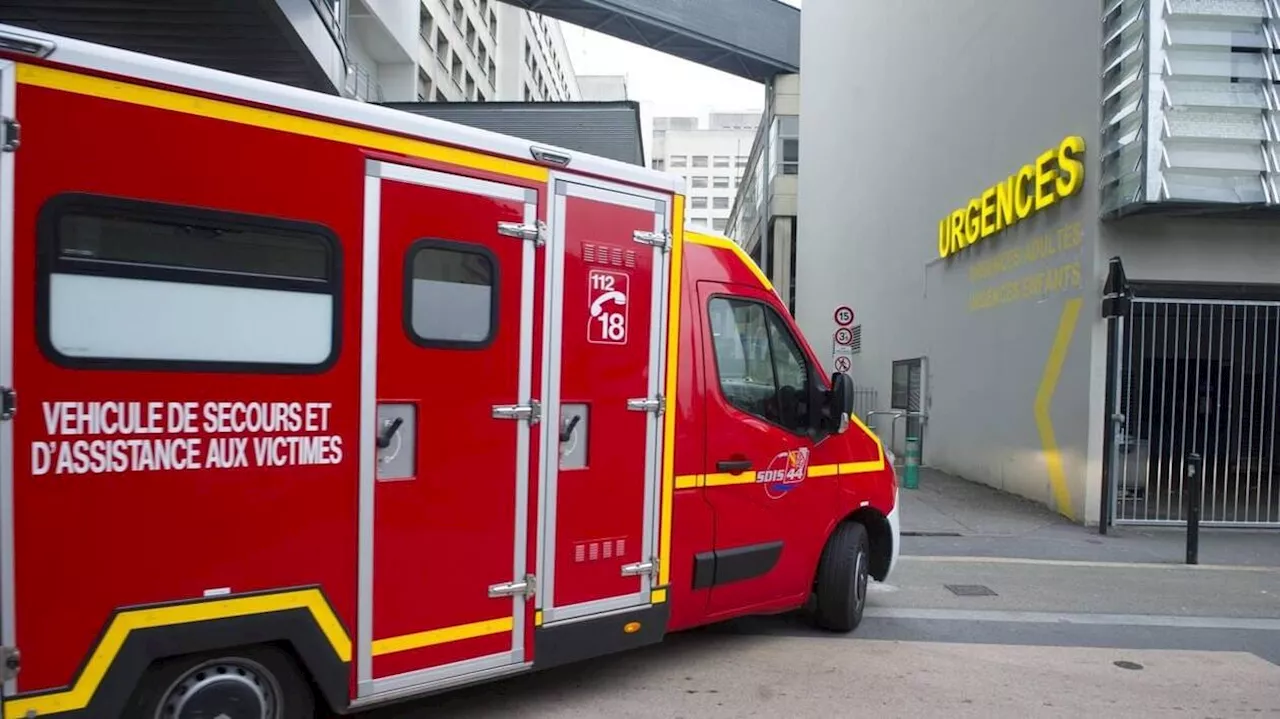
603	380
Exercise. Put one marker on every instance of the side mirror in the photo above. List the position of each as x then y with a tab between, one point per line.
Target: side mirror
840	401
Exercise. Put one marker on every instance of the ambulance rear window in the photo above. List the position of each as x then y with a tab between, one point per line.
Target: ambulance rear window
451	297
130	284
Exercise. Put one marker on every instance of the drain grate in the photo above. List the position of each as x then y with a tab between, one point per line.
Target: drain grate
970	590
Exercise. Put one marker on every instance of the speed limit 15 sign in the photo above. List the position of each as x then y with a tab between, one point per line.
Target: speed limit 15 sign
844	315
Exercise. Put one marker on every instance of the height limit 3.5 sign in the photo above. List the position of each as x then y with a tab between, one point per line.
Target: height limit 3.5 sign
607	293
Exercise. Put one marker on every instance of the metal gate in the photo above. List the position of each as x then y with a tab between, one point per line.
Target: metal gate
1198	376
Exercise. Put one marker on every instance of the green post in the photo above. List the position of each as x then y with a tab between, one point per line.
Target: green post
911	474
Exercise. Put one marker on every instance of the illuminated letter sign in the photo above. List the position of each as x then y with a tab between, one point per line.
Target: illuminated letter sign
1056	174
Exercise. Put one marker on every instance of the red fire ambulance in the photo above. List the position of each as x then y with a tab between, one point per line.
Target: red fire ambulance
311	405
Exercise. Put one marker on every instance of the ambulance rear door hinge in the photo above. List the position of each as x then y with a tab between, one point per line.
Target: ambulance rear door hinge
527	588
10	134
531	411
536	232
8	403
640	568
660	239
647	404
10	663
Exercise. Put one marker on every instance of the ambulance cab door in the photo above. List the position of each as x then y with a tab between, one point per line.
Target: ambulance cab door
449	267
761	478
606	314
8	395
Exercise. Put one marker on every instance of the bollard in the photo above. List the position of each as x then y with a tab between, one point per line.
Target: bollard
1192	489
911	473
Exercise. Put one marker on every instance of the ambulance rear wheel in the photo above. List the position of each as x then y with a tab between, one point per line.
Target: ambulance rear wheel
840	593
249	683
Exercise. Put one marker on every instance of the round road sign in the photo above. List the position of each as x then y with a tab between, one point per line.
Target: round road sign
844	315
843	364
844	336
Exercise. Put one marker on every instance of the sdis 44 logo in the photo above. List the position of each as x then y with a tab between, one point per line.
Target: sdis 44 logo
785	472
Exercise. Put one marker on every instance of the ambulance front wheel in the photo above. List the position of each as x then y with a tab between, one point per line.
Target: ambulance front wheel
259	682
840	592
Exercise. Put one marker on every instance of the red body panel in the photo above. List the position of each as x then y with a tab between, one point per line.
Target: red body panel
692	518
608	279
88	543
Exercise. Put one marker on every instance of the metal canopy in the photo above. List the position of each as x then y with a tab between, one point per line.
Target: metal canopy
257	38
752	39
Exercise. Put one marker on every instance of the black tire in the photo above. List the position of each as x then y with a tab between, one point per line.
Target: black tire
271	671
840	596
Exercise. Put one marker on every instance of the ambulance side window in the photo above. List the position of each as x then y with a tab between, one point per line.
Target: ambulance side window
451	294
759	365
127	284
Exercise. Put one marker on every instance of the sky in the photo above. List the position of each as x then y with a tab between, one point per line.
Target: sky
663	85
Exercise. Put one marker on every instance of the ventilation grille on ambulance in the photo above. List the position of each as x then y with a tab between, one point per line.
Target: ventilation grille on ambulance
611	256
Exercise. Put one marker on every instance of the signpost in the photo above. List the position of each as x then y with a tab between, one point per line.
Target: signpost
842	339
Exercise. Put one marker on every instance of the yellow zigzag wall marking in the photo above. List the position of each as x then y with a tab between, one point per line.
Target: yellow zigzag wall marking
1044	399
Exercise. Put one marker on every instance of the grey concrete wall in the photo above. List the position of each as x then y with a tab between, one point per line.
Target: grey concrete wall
908	110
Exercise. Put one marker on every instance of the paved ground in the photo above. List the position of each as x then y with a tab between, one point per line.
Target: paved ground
1064	629
950	516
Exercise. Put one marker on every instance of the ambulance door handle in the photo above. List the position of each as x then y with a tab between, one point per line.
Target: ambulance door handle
733	466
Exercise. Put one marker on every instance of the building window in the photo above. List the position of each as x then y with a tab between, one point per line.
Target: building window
720	182
741	161
720	161
719	224
791	156
759	364
679	161
424	85
698	221
452	294
442	47
699	160
150	286
657	163
698	202
426	27
698	181
719	203
785	155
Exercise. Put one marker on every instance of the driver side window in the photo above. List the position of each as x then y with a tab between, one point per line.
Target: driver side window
758	363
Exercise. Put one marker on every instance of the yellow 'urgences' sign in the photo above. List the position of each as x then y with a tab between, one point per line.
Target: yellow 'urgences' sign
1057	173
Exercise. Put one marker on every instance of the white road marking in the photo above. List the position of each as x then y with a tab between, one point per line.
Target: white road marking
1145	620
1083	563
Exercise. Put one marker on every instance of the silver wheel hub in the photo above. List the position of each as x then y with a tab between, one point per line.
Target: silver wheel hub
223	689
860	578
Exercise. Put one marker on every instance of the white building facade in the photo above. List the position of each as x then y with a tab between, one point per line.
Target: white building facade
1062	256
456	51
712	161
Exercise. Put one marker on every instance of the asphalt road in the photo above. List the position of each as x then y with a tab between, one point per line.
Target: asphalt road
1050	639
